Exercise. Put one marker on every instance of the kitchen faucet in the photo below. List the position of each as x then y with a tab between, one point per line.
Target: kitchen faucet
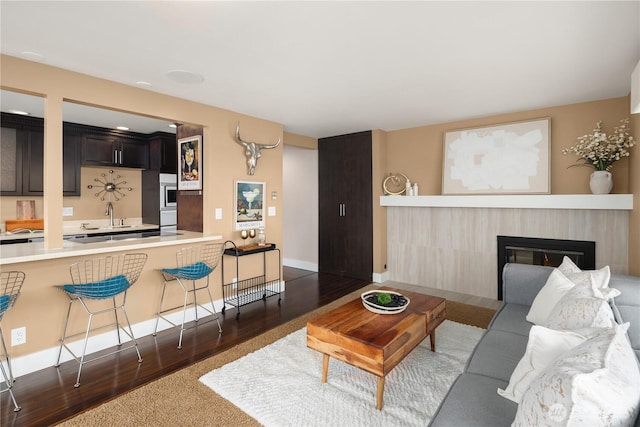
109	212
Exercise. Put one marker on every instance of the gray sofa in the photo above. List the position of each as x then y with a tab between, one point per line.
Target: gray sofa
473	400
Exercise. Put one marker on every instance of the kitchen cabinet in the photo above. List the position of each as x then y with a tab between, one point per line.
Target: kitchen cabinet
163	152
23	158
115	150
345	205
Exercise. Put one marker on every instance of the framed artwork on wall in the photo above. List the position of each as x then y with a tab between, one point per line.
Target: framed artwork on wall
249	204
190	163
509	158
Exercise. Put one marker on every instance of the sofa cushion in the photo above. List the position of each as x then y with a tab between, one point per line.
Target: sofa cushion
543	347
472	401
595	383
511	318
497	354
626	306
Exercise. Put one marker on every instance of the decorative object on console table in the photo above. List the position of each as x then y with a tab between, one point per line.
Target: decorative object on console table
600	151
190	163
510	158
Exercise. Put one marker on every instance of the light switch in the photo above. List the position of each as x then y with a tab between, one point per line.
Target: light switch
218	213
67	211
271	211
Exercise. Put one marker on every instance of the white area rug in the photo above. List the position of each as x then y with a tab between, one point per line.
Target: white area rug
280	384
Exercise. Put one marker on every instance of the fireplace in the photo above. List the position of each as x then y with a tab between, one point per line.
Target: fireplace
549	252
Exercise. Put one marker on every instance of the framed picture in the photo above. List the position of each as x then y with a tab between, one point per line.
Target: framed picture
510	158
190	163
249	204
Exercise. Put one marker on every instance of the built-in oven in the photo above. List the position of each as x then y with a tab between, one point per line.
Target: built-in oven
168	191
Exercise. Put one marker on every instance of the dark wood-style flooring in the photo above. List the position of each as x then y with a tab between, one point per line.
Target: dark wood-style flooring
48	396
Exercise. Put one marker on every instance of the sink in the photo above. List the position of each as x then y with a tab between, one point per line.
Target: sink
124	237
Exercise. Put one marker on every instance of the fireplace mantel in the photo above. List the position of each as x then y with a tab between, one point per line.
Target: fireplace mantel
525	201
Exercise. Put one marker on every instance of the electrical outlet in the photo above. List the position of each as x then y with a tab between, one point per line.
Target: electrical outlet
18	336
235	283
67	211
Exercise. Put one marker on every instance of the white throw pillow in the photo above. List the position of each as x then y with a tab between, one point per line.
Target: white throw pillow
544	346
555	288
600	277
581	308
596	383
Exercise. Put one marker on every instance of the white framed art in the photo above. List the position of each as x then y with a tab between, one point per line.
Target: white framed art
509	158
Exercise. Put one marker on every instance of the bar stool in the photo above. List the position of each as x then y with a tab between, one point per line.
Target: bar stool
193	263
101	279
10	285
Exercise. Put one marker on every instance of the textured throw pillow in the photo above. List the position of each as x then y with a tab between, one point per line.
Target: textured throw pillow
544	346
596	383
555	288
600	277
581	308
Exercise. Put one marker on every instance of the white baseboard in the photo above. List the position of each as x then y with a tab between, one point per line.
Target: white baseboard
47	358
304	265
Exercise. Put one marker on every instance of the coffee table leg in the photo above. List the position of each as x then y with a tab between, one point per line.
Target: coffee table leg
432	337
379	393
325	367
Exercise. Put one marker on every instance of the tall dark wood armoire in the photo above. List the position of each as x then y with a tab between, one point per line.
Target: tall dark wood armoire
345	206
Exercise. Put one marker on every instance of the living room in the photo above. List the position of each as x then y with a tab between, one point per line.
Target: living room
414	148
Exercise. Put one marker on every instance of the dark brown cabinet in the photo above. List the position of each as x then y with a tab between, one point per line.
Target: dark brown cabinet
163	152
23	158
345	205
119	151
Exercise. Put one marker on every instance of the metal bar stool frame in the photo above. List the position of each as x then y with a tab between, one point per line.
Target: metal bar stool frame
10	285
193	263
102	278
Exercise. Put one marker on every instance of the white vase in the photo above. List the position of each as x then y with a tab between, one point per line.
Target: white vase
601	182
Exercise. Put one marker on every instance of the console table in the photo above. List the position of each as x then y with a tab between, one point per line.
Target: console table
241	292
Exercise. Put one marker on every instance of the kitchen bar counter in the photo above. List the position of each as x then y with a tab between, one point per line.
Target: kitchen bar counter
75	229
35	251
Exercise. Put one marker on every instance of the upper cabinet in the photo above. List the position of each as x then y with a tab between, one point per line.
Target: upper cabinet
22	151
163	152
105	149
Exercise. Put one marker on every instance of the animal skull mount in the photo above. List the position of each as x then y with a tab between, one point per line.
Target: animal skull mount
252	150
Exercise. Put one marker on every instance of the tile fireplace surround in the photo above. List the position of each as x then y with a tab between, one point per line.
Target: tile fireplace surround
449	242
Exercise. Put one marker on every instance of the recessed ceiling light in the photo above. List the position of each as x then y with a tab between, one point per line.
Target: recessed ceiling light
187	77
20	112
32	56
122	128
144	84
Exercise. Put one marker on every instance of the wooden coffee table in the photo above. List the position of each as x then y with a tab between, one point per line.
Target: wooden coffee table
373	342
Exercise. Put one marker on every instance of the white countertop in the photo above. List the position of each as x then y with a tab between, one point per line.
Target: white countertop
28	252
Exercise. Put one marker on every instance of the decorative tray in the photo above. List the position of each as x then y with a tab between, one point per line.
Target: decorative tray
397	305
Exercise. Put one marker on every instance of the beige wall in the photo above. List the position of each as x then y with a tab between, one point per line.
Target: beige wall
634	188
87	206
223	157
417	152
301	141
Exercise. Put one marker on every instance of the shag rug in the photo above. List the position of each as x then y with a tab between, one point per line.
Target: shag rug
280	384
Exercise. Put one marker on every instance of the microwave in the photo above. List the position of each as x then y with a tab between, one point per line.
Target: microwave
168	191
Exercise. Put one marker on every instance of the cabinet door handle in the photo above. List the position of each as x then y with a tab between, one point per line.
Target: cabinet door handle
115	156
344	210
120	162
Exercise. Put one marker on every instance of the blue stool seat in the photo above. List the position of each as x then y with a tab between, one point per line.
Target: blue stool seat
99	290
190	272
4	303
